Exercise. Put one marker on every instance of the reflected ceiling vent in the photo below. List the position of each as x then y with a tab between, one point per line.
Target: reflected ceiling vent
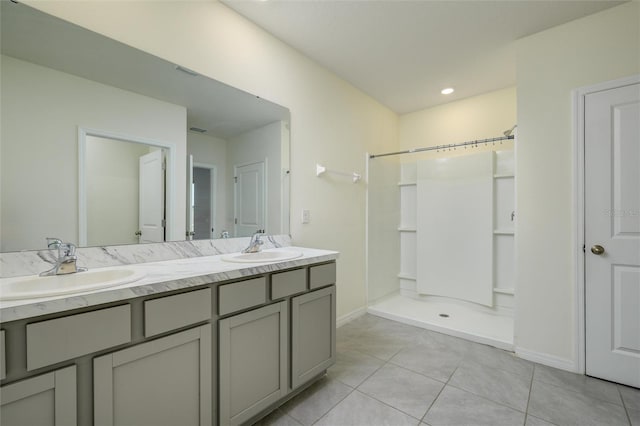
187	71
197	130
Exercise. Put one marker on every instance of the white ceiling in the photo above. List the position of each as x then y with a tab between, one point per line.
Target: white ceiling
402	53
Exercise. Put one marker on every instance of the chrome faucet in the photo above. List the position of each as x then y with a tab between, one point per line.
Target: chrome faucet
66	261
255	243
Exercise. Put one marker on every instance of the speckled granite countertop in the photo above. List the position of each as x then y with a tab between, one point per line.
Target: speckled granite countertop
159	277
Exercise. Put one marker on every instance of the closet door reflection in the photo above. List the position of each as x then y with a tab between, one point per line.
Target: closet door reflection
123	189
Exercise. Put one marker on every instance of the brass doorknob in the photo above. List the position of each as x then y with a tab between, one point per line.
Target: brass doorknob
597	249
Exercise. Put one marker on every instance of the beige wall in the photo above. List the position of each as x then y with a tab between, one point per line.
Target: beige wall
479	117
41	112
550	65
331	122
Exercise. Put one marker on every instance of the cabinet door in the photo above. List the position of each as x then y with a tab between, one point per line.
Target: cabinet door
313	334
49	399
162	382
253	362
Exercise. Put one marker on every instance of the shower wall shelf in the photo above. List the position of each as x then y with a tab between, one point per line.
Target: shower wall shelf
406	277
407	229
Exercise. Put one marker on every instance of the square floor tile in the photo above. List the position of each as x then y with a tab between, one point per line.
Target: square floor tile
457	407
565	407
534	421
499	359
405	390
359	410
634	416
379	345
497	385
316	401
353	367
432	361
630	396
590	386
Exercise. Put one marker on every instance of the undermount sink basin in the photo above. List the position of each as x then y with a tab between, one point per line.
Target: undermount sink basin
263	256
35	287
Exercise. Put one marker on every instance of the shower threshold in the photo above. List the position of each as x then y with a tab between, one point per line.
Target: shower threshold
454	318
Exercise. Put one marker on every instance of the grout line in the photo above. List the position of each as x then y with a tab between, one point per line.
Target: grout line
334	406
387	404
526	411
626	411
439	393
487	399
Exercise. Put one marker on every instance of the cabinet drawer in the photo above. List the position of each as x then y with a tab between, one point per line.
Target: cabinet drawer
69	337
241	295
3	367
171	312
322	275
287	283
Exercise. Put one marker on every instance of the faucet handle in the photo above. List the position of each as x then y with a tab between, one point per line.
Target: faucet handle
53	243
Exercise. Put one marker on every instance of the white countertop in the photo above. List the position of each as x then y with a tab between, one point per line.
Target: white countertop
159	277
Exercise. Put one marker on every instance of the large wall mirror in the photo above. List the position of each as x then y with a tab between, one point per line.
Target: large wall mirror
103	144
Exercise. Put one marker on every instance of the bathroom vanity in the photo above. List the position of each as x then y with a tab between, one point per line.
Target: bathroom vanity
197	341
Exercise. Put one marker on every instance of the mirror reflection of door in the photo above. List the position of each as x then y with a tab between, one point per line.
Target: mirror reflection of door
112	191
203	190
249	202
151	198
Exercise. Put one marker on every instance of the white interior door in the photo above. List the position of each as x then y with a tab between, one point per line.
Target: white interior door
249	198
151	219
612	234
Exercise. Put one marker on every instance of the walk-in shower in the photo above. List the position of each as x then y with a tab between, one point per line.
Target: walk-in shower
441	233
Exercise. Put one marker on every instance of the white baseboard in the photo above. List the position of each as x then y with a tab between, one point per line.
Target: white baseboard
548	360
350	316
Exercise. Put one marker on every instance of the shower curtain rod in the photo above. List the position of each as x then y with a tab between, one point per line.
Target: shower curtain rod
439	147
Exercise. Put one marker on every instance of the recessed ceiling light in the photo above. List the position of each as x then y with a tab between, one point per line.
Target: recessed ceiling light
447	91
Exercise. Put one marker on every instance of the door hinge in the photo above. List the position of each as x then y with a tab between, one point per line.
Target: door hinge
235	179
235	221
164	223
584	248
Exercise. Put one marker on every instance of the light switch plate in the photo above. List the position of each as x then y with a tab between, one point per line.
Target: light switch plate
306	216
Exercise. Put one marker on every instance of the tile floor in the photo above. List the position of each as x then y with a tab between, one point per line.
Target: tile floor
388	373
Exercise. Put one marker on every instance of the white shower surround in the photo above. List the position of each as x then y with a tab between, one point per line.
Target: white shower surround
454	227
488	325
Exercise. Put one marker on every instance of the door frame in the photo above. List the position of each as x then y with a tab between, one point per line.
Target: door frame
579	247
170	175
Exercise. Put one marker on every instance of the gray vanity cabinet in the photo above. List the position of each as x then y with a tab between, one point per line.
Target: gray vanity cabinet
253	360
313	327
166	381
47	399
